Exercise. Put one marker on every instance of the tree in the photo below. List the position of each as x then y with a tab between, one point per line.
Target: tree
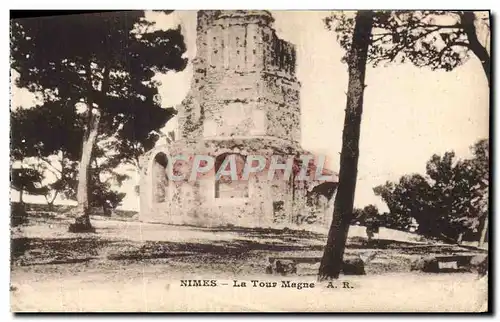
27	180
362	215
371	211
450	201
105	63
369	217
331	262
478	169
409	198
397	222
435	39
398	35
103	178
481	166
45	140
397	217
51	148
358	217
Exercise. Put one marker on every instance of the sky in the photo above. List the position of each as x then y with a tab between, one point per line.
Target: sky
409	113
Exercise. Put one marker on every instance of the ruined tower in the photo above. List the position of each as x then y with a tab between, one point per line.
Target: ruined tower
243	100
244	80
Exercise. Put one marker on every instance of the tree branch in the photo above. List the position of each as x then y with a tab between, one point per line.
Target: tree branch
382	36
53	198
457	25
449	45
49	163
468	18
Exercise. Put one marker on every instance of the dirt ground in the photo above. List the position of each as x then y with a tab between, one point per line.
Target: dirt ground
133	266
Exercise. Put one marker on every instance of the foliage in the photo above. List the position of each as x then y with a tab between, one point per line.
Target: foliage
450	200
45	130
104	196
27	180
364	215
435	39
104	178
369	217
47	142
98	58
104	61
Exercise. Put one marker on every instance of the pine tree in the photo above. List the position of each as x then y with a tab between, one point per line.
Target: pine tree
103	62
331	263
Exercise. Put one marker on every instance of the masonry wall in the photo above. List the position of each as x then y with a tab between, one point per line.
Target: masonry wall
244	96
275	203
195	204
244	81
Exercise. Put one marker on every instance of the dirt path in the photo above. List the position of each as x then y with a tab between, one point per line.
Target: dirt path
131	266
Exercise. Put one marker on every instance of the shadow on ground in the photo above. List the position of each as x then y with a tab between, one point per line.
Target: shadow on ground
225	248
32	251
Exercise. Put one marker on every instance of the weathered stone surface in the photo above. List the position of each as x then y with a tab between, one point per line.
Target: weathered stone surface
243	100
428	264
479	264
242	68
285	267
450	263
417	264
353	265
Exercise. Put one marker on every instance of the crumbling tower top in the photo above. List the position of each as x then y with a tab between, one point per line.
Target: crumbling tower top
244	37
244	80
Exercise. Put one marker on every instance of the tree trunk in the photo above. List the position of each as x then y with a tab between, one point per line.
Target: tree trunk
482	239
21	189
21	195
51	202
331	262
82	222
477	48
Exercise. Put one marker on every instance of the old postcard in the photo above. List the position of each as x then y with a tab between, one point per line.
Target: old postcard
250	161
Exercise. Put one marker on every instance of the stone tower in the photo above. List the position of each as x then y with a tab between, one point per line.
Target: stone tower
243	100
244	82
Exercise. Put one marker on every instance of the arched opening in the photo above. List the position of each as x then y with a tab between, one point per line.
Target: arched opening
159	177
326	189
225	186
318	201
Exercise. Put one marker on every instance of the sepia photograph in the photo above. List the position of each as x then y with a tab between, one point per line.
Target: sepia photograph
250	161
